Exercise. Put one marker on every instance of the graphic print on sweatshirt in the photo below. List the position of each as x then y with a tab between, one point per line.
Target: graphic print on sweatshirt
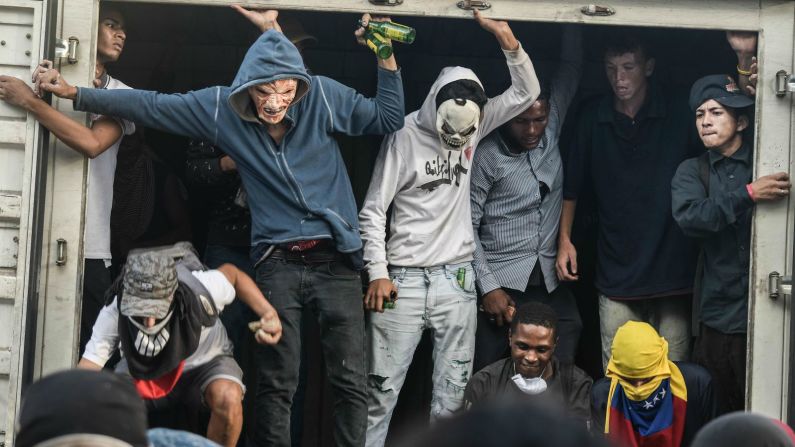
446	170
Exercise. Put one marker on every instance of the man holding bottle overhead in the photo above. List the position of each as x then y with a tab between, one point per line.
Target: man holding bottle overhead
423	172
277	123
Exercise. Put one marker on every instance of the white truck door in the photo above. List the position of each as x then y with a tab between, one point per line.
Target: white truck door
769	342
21	37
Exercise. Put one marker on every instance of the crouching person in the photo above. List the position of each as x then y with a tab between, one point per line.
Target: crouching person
533	370
171	339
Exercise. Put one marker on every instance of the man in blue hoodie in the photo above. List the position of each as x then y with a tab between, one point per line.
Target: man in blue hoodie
277	123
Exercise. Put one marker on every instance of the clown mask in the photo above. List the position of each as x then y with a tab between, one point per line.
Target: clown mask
456	121
272	99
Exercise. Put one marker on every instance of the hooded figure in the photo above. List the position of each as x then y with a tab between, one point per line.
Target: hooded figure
648	396
422	172
424	168
298	189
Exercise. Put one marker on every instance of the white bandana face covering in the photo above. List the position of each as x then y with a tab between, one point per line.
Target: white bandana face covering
149	342
456	122
531	385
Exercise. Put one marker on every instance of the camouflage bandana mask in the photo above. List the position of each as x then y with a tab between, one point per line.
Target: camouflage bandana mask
149	342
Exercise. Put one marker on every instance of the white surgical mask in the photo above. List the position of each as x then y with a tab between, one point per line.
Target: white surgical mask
531	385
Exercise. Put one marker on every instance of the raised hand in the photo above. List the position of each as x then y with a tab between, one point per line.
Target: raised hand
501	30
742	41
366	18
264	19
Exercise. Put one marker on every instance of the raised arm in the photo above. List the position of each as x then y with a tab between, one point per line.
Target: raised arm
89	141
270	328
744	45
567	77
524	87
192	114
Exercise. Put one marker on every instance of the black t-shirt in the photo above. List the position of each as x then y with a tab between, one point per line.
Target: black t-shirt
629	163
569	387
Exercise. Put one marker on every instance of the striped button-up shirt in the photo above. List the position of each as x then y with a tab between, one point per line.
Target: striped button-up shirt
514	226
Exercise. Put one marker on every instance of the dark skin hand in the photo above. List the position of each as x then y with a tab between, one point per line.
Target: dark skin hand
499	305
380	290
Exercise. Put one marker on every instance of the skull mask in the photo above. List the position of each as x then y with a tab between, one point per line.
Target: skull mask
456	121
458	108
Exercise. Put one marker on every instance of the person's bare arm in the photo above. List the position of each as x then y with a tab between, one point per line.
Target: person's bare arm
89	141
270	328
744	45
84	363
566	264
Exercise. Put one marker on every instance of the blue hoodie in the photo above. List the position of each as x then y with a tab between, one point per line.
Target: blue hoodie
298	189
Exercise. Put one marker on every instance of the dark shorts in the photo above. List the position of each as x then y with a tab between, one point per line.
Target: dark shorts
194	382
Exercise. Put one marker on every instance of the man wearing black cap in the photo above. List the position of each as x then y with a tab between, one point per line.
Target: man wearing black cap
713	197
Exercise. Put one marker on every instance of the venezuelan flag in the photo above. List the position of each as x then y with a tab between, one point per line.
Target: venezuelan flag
657	421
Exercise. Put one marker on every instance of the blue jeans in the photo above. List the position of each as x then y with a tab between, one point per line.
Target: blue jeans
428	298
333	290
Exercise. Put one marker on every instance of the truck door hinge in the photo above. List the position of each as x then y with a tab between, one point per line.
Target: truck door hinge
778	285
785	82
469	5
387	2
67	48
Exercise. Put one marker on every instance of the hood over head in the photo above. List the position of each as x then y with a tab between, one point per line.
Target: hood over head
426	115
272	57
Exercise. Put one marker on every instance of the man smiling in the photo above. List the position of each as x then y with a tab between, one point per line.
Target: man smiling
533	369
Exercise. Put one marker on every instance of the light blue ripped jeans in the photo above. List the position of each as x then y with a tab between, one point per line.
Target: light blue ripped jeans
428	298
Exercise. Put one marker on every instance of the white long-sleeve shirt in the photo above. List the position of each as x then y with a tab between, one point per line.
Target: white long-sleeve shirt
428	184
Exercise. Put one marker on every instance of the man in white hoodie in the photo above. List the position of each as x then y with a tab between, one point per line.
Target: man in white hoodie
423	172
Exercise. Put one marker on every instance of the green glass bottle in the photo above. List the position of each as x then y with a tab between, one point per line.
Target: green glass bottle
392	30
378	44
391	302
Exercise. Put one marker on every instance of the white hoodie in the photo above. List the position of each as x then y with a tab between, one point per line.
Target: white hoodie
428	184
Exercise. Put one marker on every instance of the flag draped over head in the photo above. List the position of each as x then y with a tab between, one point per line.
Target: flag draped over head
648	396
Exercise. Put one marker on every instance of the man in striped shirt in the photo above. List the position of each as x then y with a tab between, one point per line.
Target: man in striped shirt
516	194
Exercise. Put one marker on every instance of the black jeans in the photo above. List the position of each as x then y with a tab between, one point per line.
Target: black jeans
723	355
491	341
332	290
96	281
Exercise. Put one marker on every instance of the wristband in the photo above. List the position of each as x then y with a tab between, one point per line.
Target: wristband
743	72
750	190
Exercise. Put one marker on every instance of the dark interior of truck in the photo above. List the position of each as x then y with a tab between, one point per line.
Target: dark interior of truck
177	48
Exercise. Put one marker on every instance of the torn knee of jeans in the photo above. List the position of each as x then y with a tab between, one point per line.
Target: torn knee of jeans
379	383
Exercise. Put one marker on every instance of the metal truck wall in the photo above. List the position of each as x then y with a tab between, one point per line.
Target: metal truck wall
20	38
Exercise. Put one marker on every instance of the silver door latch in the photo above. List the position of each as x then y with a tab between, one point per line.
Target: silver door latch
469	5
67	48
778	285
785	82
60	252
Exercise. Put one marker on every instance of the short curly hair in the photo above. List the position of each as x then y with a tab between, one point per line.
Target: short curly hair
535	313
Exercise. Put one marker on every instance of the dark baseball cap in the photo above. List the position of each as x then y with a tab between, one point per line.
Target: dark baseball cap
150	279
722	89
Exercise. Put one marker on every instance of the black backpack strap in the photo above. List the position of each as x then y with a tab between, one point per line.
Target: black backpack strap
209	312
703	170
703	175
